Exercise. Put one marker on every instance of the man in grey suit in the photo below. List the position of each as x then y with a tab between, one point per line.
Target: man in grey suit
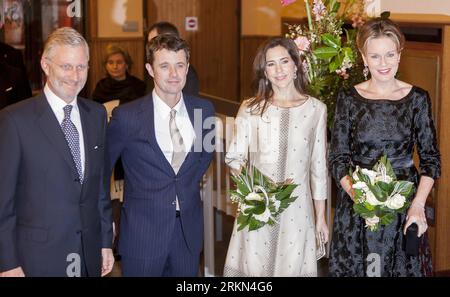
52	220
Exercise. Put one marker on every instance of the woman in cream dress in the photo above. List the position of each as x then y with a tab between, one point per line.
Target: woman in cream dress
282	132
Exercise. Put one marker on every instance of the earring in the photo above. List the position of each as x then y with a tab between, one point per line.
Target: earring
295	75
366	72
266	81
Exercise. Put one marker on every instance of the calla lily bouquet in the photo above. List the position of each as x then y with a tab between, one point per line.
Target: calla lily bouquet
379	196
260	200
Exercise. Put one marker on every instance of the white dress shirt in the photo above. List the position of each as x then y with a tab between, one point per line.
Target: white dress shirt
57	105
162	129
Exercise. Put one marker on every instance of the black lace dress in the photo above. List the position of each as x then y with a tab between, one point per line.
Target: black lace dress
363	131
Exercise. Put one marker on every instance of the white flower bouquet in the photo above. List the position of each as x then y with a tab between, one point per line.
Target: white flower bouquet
379	196
260	200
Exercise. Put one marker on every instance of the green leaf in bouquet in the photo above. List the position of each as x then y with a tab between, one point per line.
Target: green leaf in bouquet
242	221
404	188
387	188
325	52
369	206
254	224
387	164
387	219
348	53
336	63
259	208
331	41
377	192
361	209
364	178
285	192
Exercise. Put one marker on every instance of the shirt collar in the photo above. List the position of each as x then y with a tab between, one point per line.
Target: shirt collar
164	110
56	103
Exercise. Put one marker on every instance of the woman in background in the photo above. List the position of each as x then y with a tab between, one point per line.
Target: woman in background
118	83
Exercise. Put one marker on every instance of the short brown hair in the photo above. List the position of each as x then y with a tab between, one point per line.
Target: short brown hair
379	27
163	28
261	85
166	41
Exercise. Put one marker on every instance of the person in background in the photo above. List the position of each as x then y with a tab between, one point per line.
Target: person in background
118	84
192	83
14	84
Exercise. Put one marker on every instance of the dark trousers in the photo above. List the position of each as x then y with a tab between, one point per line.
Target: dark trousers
178	261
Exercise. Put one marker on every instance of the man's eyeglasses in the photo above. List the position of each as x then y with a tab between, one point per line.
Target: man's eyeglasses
70	67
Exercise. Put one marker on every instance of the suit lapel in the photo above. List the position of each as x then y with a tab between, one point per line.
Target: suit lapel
51	128
146	118
190	107
88	125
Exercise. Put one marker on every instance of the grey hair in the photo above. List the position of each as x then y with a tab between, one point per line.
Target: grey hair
65	36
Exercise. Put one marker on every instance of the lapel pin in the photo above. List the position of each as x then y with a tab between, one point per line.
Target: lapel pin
96	147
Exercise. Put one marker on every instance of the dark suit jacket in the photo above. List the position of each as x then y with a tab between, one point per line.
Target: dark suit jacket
45	213
151	185
14	58
190	88
13	87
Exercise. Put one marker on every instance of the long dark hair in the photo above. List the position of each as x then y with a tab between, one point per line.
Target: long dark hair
261	85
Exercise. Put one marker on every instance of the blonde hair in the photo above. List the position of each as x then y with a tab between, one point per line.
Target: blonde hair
113	49
379	27
64	36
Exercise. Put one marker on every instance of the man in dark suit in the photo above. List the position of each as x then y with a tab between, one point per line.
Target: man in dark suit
14	74
166	141
191	86
13	87
52	220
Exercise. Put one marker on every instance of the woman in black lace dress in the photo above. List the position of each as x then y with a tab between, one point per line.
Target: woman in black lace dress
382	116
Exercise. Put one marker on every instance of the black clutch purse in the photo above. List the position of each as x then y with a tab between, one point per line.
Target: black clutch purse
412	241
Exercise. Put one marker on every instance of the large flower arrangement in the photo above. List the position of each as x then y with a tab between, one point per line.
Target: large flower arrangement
330	57
379	196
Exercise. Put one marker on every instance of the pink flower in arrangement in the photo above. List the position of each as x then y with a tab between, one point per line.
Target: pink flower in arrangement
287	2
357	21
319	9
302	43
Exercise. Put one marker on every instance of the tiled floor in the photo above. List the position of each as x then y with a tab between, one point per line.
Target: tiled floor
221	250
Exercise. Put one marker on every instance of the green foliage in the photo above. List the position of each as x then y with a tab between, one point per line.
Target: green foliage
273	199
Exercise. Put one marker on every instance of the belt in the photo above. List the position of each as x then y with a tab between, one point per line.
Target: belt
396	162
177	214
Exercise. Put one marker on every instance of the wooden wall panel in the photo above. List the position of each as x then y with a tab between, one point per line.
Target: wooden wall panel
249	46
442	256
214	47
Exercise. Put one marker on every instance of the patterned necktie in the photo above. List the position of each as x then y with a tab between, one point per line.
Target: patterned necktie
73	139
177	143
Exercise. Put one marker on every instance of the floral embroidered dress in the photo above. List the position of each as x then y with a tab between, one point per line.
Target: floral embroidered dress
285	143
363	131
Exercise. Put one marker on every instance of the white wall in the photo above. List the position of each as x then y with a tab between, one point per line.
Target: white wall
416	6
263	17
